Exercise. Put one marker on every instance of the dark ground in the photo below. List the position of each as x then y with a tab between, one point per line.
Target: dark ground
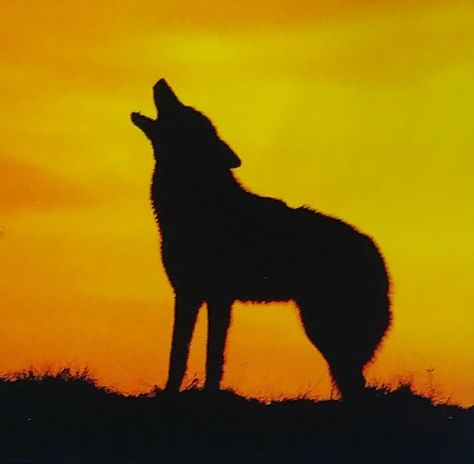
66	418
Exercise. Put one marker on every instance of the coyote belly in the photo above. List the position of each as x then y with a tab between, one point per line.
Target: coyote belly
221	243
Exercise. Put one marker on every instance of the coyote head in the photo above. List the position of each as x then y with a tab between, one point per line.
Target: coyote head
182	136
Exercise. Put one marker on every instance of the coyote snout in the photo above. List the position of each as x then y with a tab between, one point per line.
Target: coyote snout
221	243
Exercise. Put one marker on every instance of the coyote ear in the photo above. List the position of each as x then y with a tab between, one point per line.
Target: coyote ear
231	160
165	98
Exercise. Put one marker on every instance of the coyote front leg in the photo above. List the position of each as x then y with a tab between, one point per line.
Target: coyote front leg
218	321
185	314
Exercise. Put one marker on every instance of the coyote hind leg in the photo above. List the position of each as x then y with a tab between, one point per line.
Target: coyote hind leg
347	335
348	376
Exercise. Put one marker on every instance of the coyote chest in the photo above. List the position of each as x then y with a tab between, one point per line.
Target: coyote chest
222	247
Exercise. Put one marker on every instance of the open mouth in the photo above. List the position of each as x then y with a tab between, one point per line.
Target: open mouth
165	102
138	118
144	123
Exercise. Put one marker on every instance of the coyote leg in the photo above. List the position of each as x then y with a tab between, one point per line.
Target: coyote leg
348	376
185	315
219	315
347	337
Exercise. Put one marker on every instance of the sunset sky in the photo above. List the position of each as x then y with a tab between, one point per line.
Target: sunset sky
363	110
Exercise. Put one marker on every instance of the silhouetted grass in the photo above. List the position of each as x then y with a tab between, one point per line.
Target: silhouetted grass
67	418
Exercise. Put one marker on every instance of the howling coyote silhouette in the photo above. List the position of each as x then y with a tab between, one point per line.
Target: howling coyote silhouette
221	243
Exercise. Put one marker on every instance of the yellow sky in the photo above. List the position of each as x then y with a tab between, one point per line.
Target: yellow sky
362	111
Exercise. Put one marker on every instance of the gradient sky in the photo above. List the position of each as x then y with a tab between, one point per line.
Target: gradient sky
360	109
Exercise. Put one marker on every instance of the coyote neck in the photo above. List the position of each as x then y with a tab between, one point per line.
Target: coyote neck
180	199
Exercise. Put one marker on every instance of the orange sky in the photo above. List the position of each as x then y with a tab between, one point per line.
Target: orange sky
363	111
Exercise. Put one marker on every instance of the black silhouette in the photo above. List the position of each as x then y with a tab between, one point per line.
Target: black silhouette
221	243
68	419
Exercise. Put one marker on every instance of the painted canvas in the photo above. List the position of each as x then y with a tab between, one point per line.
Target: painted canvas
237	232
